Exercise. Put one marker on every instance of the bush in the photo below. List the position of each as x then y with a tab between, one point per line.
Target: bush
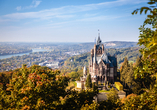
119	86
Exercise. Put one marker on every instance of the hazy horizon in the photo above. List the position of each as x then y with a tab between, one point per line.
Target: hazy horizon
66	42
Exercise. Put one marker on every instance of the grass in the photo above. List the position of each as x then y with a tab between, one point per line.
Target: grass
104	90
71	84
75	83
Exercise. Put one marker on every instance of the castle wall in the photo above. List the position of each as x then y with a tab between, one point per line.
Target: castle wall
80	84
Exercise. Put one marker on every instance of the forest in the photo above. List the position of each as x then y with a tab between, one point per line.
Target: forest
76	63
37	87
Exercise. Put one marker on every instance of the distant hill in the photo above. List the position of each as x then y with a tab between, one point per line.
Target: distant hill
112	44
79	61
120	44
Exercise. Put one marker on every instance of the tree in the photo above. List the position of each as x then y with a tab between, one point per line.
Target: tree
74	75
88	81
34	88
113	95
95	88
148	70
124	63
148	35
148	38
138	62
137	82
41	88
112	103
124	71
130	76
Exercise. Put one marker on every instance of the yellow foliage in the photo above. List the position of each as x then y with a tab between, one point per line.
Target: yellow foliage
119	86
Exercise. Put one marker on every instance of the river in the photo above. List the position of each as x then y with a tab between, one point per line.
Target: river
20	54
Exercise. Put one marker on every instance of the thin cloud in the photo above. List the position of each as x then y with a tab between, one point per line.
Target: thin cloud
66	11
18	8
34	4
98	18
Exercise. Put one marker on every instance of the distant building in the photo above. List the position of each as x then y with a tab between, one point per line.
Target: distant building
102	67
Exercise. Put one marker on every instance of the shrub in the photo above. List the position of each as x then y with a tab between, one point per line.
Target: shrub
119	86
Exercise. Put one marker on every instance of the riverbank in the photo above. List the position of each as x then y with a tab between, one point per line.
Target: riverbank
27	51
20	54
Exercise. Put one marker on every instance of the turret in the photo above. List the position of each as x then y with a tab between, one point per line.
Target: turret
84	71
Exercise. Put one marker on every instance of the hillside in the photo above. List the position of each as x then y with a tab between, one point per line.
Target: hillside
111	44
120	44
79	61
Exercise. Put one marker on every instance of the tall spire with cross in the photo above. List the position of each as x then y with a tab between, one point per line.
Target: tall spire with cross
99	40
98	33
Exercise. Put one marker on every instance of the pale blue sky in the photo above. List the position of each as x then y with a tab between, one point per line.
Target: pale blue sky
69	20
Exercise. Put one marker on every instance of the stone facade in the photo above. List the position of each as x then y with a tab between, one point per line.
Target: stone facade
81	83
102	67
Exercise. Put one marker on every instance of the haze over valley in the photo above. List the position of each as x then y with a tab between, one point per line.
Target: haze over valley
53	55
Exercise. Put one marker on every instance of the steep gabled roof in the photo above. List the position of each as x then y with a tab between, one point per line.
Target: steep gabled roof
113	59
106	59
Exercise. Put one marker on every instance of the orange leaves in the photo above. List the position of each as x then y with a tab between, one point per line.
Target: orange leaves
26	107
34	77
24	99
35	89
39	83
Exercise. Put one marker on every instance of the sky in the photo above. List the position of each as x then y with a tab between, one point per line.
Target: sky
69	20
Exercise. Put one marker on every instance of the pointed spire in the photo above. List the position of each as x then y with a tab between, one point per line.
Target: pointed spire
98	34
95	40
99	40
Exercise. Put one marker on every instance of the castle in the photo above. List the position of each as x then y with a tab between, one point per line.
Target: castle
102	66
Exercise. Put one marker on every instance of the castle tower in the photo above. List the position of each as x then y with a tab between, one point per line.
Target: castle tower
85	71
102	67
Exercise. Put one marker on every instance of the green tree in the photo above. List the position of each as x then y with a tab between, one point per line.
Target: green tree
95	88
113	95
138	62
137	82
148	35
112	103
124	71
88	81
130	76
148	71
74	75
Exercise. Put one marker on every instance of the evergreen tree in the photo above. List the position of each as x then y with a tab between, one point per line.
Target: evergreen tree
124	63
130	76
95	88
124	71
138	62
88	81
